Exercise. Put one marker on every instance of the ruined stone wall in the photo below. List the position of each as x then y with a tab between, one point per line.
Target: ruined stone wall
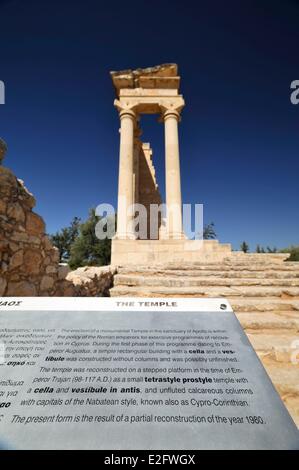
88	281
29	262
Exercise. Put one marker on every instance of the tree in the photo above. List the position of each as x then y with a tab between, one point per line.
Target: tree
87	249
271	250
64	238
294	252
244	247
260	249
209	232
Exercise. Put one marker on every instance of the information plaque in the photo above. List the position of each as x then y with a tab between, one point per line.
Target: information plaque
122	373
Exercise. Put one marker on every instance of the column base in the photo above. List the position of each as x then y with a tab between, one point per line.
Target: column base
124	236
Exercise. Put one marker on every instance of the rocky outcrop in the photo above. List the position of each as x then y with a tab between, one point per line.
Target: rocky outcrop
89	281
29	262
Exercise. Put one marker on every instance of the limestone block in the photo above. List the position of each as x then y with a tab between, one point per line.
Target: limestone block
47	283
138	252
90	280
15	276
34	224
67	289
279	345
34	240
32	261
75	278
21	289
4	267
20	237
284	377
282	354
261	305
15	211
3	246
269	320
291	401
63	270
54	254
3	284
8	181
46	243
3	207
16	260
51	269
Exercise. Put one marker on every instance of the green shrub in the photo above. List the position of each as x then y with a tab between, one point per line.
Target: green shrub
294	252
87	249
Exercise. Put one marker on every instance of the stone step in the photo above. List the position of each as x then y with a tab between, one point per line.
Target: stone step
194	281
268	321
291	401
285	378
235	274
179	287
240	304
277	345
218	267
259	304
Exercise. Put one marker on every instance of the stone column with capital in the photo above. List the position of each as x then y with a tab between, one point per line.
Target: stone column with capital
173	176
125	229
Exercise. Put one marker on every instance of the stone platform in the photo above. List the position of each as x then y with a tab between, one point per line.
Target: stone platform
148	252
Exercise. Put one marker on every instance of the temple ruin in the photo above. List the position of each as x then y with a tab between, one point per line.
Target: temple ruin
152	90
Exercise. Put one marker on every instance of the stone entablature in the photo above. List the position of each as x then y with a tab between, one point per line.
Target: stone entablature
163	76
153	90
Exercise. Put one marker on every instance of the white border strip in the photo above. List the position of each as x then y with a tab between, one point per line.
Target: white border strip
114	304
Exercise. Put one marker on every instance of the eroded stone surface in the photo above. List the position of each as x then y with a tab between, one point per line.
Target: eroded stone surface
88	281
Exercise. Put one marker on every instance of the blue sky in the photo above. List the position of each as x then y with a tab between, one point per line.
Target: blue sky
239	136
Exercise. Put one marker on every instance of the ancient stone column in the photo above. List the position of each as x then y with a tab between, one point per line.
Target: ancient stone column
125	177
137	150
173	175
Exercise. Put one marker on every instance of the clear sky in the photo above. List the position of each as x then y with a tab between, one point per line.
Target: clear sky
239	136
